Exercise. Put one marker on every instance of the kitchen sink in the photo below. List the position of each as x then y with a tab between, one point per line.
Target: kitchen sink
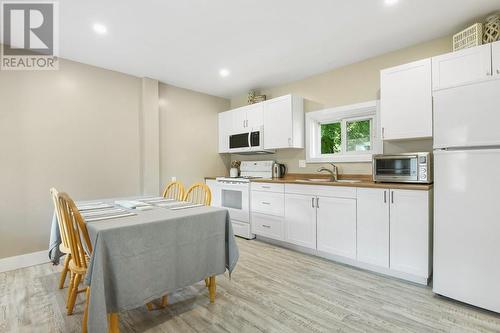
326	180
348	181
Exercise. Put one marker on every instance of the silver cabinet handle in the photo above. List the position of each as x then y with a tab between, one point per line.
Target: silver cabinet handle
498	71
312	202
383	132
243	123
265	186
392	196
266	226
265	203
385	196
317	202
289	141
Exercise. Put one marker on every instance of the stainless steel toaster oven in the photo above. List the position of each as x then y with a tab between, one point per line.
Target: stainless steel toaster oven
403	168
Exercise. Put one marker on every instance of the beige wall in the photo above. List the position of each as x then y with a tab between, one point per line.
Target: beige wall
348	85
149	124
75	129
81	129
188	137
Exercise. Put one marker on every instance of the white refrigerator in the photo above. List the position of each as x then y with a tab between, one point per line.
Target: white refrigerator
467	194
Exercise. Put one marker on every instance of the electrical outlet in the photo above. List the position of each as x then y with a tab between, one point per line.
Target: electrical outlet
302	163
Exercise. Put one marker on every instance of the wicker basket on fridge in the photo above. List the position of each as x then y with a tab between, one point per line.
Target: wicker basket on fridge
470	37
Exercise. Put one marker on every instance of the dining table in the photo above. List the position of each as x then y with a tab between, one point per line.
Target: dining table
149	252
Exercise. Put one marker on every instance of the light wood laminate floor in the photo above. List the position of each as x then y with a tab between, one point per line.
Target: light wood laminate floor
272	290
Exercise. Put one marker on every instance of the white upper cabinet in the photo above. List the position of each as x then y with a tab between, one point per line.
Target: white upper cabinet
225	124
406	101
284	122
373	226
336	223
410	232
254	117
246	119
300	220
461	67
495	49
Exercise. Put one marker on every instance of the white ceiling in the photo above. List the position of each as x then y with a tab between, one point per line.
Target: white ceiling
261	42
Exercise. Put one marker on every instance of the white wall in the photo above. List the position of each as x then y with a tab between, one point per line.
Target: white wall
75	129
356	83
94	133
188	137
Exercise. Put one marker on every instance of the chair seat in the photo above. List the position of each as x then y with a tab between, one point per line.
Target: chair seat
63	249
78	270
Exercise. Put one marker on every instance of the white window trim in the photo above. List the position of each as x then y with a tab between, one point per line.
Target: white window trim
368	110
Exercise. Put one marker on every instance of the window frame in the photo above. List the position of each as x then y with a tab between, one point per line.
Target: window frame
343	114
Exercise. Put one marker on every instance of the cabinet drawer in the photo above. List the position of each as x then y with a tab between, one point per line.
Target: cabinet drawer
268	203
267	226
268	187
322	191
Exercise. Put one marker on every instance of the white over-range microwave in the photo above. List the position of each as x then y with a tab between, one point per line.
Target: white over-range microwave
403	168
248	143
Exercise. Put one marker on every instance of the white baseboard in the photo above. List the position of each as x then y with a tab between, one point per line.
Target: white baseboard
22	261
351	262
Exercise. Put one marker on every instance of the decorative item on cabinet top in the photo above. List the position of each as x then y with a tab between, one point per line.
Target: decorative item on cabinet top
469	37
254	97
492	29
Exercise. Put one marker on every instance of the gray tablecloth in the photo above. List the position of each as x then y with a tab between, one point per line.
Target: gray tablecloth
139	258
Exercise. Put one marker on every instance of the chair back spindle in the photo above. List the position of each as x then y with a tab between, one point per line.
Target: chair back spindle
76	230
199	193
174	190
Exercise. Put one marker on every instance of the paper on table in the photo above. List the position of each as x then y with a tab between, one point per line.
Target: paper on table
130	203
93	205
103	211
108	217
186	206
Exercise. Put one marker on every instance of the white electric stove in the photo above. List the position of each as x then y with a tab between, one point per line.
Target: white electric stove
234	194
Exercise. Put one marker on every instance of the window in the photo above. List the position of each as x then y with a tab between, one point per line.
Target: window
331	138
345	134
359	135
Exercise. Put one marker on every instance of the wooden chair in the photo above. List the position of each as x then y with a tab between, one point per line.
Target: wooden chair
199	193
76	231
174	190
64	247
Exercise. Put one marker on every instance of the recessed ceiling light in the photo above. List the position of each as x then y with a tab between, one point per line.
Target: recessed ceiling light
100	28
224	72
391	2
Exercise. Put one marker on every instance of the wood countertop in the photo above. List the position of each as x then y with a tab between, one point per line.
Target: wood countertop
365	181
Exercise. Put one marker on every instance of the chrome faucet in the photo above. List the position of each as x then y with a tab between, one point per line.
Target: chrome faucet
333	172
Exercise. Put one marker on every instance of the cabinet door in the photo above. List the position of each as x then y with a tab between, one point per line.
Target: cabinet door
406	101
278	123
409	236
255	120
373	226
336	221
461	67
496	58
300	220
238	120
225	123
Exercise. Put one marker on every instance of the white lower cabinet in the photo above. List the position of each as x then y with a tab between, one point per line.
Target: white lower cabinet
384	230
373	226
268	226
410	235
300	220
336	223
394	230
